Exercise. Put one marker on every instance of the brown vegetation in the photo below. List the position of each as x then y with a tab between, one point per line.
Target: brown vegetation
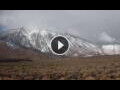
14	65
95	68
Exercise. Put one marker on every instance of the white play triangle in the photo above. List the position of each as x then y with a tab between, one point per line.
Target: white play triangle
60	45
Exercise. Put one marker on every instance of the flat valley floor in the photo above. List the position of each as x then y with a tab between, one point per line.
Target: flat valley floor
90	68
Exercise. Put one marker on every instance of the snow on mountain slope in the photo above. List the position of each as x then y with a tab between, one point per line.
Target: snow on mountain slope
111	49
39	39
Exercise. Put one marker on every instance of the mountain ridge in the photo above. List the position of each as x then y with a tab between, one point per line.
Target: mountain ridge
40	40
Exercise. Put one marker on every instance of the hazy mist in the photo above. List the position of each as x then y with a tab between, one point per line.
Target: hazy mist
89	24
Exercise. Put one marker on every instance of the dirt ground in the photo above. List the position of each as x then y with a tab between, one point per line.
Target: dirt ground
90	68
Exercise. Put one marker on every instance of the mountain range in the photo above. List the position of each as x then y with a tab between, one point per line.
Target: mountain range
29	42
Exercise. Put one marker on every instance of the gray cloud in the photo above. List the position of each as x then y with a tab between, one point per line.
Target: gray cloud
87	24
107	38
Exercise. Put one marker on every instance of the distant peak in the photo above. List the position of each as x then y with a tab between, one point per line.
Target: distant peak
39	39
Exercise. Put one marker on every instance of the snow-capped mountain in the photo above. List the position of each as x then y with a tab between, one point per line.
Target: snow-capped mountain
39	39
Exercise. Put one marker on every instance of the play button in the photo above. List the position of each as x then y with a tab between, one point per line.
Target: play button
59	45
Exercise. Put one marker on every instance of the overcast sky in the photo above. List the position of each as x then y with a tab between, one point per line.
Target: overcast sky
91	25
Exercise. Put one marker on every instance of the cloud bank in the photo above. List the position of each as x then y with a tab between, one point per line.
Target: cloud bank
107	38
87	24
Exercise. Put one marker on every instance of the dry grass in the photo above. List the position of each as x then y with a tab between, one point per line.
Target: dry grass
94	68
